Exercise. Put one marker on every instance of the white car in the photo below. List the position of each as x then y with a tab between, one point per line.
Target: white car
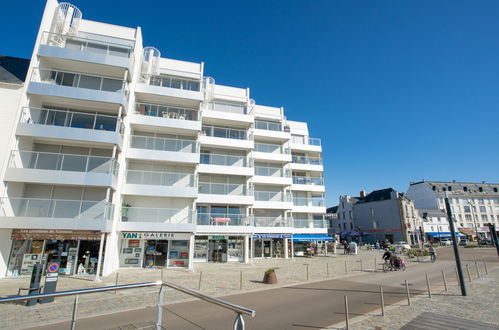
446	242
401	245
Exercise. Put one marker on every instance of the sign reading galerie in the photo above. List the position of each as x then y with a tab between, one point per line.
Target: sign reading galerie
156	235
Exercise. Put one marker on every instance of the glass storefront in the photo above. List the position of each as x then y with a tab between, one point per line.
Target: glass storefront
154	249
270	245
219	248
76	251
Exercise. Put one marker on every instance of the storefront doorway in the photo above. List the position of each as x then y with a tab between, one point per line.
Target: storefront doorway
269	247
217	250
156	253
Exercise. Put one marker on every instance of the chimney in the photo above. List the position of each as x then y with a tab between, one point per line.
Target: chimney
363	193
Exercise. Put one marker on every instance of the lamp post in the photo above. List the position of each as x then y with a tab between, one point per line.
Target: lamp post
473	217
360	236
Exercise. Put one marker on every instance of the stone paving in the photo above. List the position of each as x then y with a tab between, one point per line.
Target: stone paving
216	280
481	304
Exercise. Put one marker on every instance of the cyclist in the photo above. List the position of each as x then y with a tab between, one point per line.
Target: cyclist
433	253
387	256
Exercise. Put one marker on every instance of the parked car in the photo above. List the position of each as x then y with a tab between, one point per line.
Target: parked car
485	241
463	242
445	242
402	245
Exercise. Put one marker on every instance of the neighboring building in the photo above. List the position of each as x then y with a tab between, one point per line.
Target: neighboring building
332	216
387	214
344	214
122	158
435	224
473	205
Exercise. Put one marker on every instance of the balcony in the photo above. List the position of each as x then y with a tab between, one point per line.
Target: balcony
170	89
273	222
223	193
305	163
306	144
100	53
162	184
227	138
163	149
305	223
305	183
35	213
272	200
226	164
271	152
309	205
70	125
269	130
225	113
224	219
178	120
156	219
54	168
60	85
272	176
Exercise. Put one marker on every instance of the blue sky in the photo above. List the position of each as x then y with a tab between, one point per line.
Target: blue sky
397	90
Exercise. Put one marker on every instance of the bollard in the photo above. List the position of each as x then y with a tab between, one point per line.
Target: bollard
307	270
116	282
241	281
408	293
457	276
468	270
382	300
375	265
346	267
159	315
485	266
361	265
477	269
428	285
445	282
327	270
346	314
200	277
75	309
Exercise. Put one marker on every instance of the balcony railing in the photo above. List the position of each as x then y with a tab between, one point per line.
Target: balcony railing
88	44
163	144
224	189
306	160
307	141
173	82
164	111
269	126
161	178
224	160
308	180
224	219
272	171
161	215
304	201
273	222
225	133
304	223
267	196
79	80
62	162
71	119
56	208
229	107
271	148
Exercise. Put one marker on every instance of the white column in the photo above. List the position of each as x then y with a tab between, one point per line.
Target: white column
246	249
292	250
286	248
191	253
252	255
99	258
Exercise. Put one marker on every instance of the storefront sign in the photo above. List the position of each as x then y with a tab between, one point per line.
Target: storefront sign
217	237
156	235
68	235
271	236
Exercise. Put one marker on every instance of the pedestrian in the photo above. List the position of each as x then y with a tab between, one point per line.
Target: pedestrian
433	253
377	245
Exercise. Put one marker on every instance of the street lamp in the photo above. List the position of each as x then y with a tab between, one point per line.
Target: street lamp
472	206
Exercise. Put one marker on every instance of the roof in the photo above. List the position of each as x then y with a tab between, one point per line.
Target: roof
13	70
332	209
377	195
462	188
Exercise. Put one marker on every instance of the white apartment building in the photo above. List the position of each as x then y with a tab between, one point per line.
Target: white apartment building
119	157
473	205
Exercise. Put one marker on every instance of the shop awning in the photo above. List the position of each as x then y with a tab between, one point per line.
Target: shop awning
444	234
311	238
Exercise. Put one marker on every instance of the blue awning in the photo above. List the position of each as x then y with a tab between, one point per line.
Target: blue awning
311	238
444	234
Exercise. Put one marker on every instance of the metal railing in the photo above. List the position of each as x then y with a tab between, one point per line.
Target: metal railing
271	148
161	178
240	311
307	141
225	133
73	119
166	111
273	222
303	223
224	219
229	107
225	189
224	160
163	144
268	125
56	208
267	196
308	180
173	82
87	44
79	80
62	162
161	215
304	201
272	171
306	160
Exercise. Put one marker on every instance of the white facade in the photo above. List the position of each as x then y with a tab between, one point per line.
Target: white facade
112	143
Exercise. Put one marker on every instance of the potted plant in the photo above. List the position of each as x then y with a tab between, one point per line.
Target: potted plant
270	276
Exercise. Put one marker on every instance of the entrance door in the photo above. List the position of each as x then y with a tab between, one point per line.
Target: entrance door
156	252
217	250
267	248
258	248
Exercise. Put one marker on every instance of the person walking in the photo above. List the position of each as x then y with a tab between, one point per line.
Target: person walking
433	253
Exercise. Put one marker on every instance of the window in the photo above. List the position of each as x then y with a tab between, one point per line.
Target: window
351	225
372	212
434	188
480	189
467	208
342	205
344	216
450	188
467	217
480	201
482	209
350	214
375	224
484	217
465	188
495	189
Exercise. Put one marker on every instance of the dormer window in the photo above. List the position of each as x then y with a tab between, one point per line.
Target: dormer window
465	188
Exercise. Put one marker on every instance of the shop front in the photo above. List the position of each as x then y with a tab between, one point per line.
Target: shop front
154	249
77	251
271	245
219	248
310	244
